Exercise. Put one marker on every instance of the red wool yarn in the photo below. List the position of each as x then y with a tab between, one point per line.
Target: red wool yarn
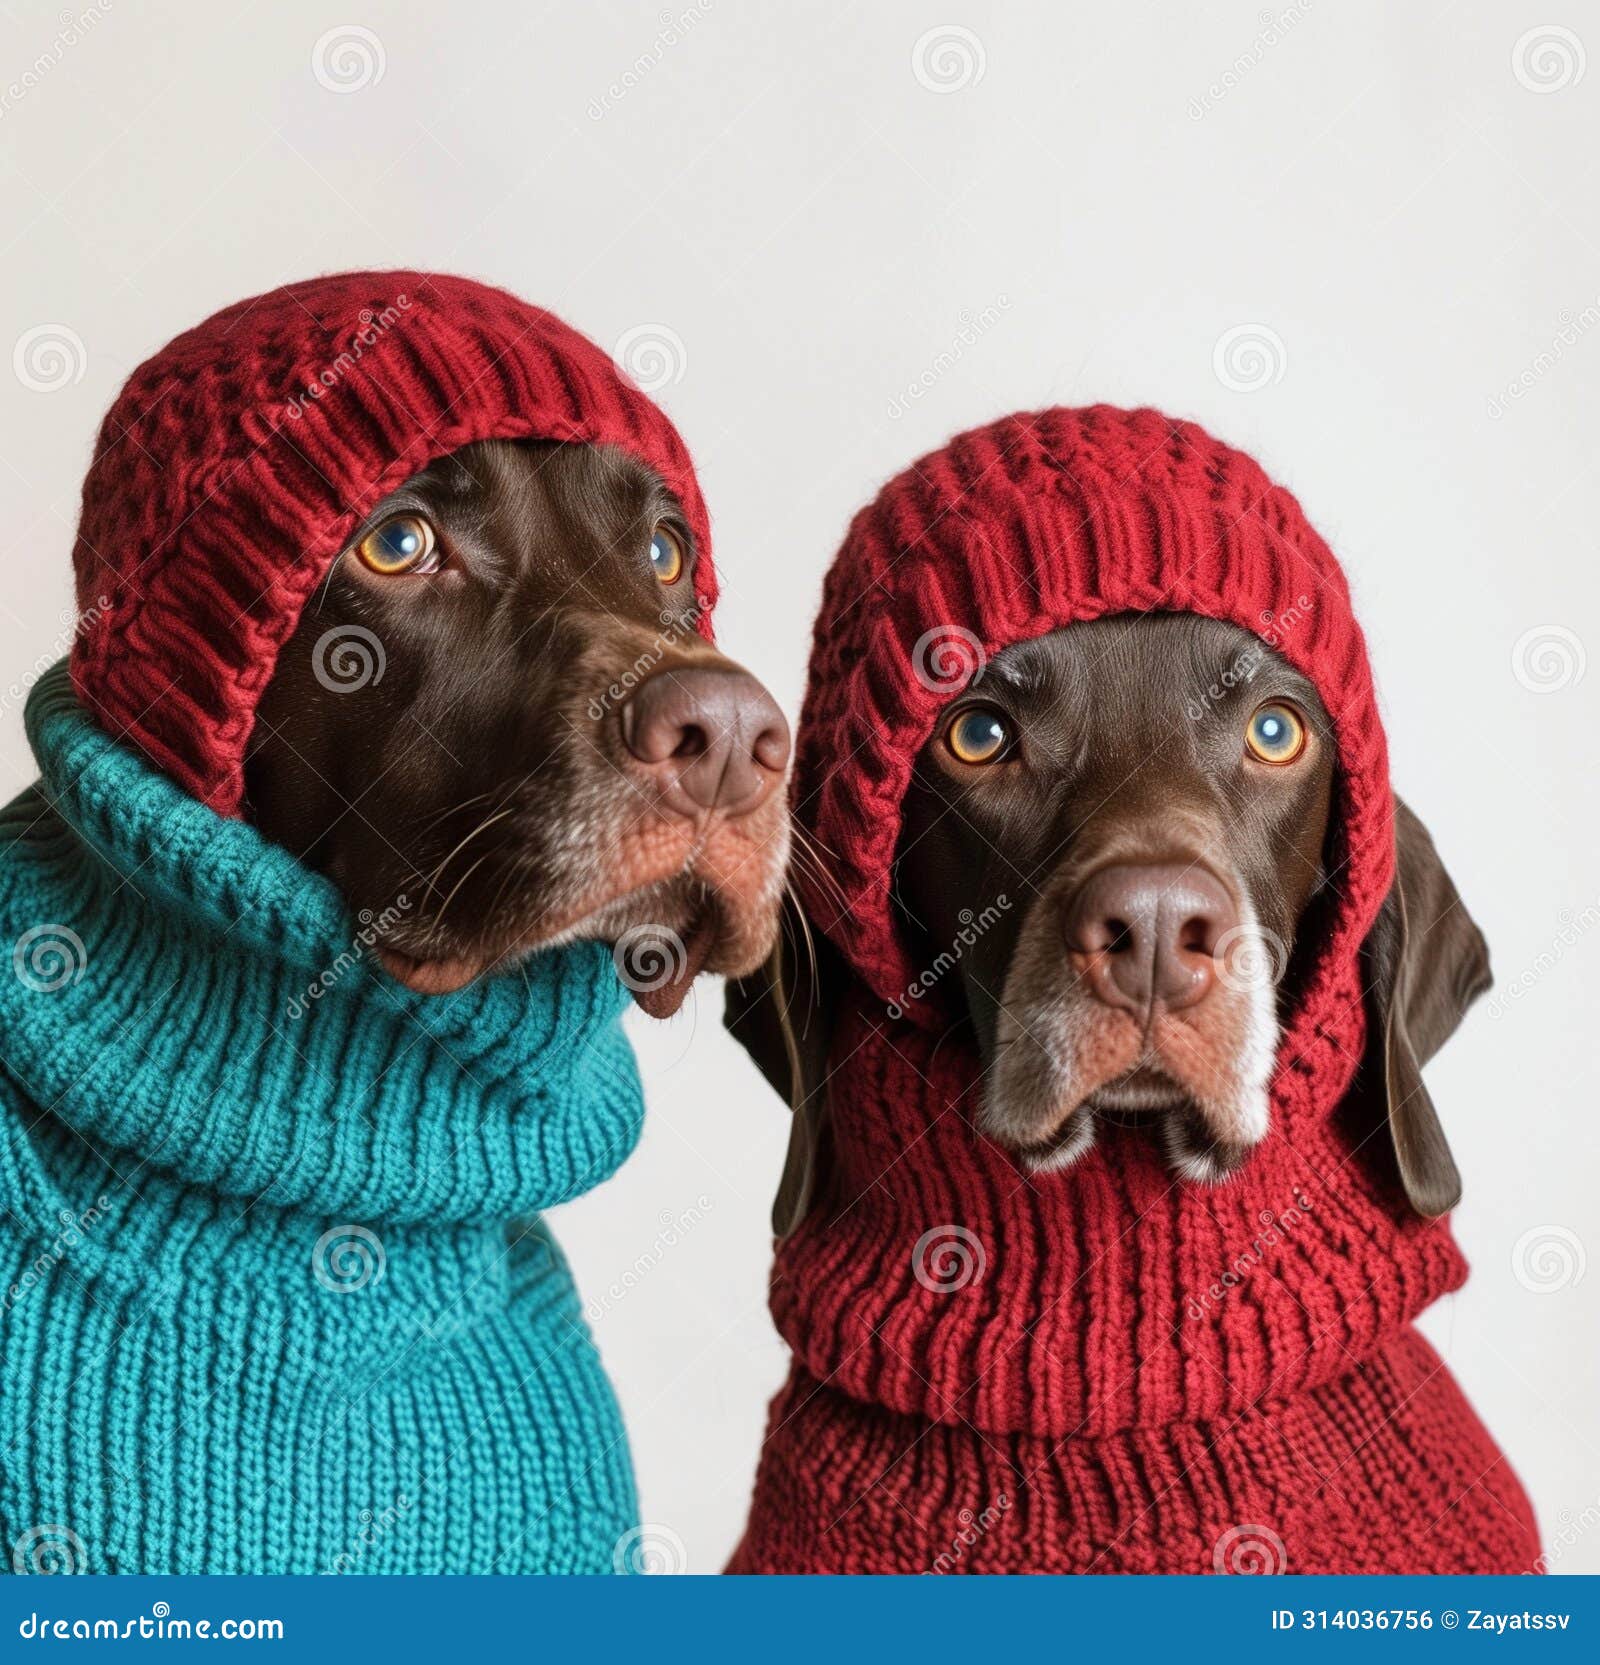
1106	1369
236	463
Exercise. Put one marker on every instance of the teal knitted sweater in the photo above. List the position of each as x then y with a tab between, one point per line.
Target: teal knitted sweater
274	1291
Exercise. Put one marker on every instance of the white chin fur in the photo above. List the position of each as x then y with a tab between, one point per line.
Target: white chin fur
1199	1167
1038	1047
1063	1155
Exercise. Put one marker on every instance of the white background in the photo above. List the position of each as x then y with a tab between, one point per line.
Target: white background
1397	206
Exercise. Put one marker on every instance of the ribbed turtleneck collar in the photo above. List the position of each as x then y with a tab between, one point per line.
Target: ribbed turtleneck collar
159	1007
935	1277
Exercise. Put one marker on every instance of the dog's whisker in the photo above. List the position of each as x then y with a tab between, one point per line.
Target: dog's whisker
805	855
482	827
438	918
795	915
430	821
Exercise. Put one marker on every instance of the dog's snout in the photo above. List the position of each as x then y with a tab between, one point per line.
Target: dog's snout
1145	934
712	737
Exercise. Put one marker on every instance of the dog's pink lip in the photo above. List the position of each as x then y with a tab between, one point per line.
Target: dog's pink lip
1048	1144
442	976
448	974
664	1002
1163	1092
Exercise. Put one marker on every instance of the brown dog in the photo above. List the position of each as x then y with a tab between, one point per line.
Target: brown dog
498	707
1173	875
1142	895
1115	853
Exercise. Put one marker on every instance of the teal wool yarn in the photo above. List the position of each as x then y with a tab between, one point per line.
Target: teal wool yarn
275	1293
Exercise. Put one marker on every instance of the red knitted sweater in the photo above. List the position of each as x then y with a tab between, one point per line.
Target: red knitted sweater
1104	1369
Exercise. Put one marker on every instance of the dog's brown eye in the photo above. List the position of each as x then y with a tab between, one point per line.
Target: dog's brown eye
666	555
1276	734
403	543
977	735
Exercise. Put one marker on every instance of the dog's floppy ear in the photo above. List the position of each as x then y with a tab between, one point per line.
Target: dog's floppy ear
782	1015
1426	963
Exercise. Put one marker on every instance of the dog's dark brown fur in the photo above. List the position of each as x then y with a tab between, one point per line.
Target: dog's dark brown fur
528	742
1126	763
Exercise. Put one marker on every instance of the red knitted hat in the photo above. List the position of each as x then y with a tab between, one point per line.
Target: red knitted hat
236	463
1105	1368
1016	529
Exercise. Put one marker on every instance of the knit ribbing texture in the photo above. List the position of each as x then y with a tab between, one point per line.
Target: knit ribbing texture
1137	1365
277	1293
237	461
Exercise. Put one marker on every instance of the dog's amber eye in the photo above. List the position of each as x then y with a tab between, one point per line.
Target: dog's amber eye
977	735
1276	734
666	555
403	543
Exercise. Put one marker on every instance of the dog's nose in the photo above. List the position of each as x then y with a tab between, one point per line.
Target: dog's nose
712	736
1145	933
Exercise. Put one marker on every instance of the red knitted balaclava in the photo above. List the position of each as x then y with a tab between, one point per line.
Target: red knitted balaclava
1038	521
236	463
1028	525
1105	1368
